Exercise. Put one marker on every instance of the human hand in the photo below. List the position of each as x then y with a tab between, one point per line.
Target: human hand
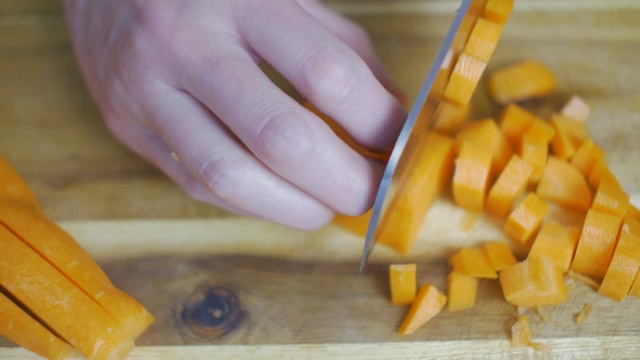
182	77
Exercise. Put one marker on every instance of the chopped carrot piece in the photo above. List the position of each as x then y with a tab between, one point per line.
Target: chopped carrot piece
524	221
583	314
576	108
442	78
402	282
521	332
557	243
498	10
633	212
521	81
429	302
601	172
461	291
564	184
487	134
464	79
483	39
472	262
357	225
499	255
450	117
514	122
14	188
533	282
471	176
66	309
462	36
542	130
587	156
625	262
430	172
20	328
596	244
569	136
611	199
534	151
476	7
509	186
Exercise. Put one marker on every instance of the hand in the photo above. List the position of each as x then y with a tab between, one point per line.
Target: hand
182	77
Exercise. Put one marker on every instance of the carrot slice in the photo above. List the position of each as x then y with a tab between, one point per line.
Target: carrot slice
514	122
596	244
499	255
576	108
521	81
557	243
461	291
14	188
542	130
450	117
357	225
471	176
429	302
625	262
464	31
587	156
402	282
19	327
534	151
498	10
58	302
611	199
483	39
533	282
601	172
487	134
509	186
521	332
473	263
524	221
564	184
569	136
464	79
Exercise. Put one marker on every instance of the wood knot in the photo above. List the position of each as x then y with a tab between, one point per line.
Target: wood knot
210	312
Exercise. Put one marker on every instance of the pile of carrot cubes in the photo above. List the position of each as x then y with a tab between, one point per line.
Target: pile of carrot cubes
54	299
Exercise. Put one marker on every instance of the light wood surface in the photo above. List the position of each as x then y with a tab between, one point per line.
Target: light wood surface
298	295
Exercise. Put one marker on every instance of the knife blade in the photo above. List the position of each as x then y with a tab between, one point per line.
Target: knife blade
402	148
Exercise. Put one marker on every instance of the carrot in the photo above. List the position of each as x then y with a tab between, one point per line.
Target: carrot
563	184
476	7
587	156
464	79
59	303
429	173
509	186
524	221
471	176
625	262
461	291
601	172
569	136
521	81
429	302
611	199
499	255
450	117
14	188
58	248
596	244
20	328
498	10
576	108
521	332
464	31
583	314
542	130
534	151
357	225
533	282
483	39
473	263
402	282
487	134
514	122
557	243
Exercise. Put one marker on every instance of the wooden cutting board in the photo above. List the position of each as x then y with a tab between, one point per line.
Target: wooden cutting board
263	291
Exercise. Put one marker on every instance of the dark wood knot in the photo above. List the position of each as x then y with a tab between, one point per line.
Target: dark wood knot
211	312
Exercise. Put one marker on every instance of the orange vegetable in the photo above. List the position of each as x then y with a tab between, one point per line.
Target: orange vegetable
521	81
542	130
534	151
509	186
498	10
524	222
569	136
476	7
557	243
428	303
450	117
601	172
464	79
483	39
464	31
576	109
487	134
67	310
402	282
583	314
499	255
471	176
514	122
587	156
473	263
533	282
625	262
611	199
429	173
596	244
633	212
20	328
461	291
521	332
357	225
442	78
563	184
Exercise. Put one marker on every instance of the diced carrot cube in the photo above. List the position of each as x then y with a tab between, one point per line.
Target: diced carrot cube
471	176
483	39
569	136
521	81
464	79
541	130
429	302
357	225
534	151
509	186
596	244
611	199
625	262
472	262
402	282
533	282
523	223
487	134
587	156
601	172
461	291
562	183
499	255
514	122
557	243
450	117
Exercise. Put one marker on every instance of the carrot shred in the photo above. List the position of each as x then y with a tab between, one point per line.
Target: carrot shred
472	262
464	79
499	255
564	184
596	244
625	262
429	302
510	184
521	81
533	282
557	243
471	176
524	221
461	291
402	282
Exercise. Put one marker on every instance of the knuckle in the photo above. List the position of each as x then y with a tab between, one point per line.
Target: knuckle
327	72
221	176
283	139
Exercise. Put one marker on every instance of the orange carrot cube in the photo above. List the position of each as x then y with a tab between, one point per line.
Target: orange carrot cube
587	156
611	199
487	134
509	186
499	255
625	262
472	262
402	282
596	244
521	81
534	151
461	291
533	282
450	117
557	243
562	183
514	122
464	79
483	39
523	223
471	176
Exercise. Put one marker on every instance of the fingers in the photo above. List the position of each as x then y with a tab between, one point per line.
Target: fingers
325	70
228	170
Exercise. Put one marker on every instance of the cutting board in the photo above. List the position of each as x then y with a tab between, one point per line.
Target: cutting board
224	286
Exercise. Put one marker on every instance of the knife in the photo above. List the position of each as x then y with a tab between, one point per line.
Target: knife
388	186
